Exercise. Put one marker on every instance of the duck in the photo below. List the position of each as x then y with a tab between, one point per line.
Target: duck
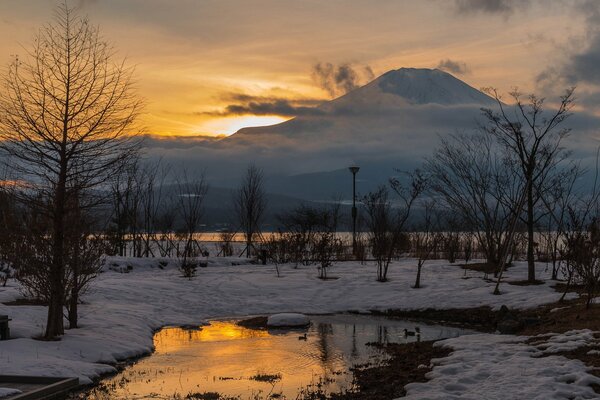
303	337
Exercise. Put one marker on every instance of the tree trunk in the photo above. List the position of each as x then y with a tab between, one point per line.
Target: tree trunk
418	280
530	241
55	326
73	318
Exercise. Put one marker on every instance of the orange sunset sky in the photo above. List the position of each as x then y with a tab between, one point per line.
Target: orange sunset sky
196	58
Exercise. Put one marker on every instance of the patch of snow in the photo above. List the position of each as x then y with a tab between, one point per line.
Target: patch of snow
502	367
288	320
8	392
557	309
568	341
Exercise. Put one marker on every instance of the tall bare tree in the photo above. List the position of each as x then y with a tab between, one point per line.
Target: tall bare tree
250	203
67	110
533	136
190	205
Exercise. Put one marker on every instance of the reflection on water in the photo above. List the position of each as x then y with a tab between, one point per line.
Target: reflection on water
238	362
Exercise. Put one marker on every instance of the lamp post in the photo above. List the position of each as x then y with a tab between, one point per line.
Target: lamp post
354	169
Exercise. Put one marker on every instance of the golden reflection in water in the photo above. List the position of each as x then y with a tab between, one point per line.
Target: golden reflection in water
173	339
224	357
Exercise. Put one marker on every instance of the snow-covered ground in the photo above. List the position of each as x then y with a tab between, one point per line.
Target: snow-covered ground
122	310
505	367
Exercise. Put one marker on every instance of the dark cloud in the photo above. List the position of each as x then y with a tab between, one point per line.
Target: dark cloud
583	65
502	7
581	55
340	79
369	74
454	67
244	104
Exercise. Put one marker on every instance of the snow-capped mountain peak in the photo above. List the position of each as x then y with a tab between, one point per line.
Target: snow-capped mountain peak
424	86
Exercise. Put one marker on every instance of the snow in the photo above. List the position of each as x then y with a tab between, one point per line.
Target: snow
568	341
422	86
8	392
504	367
122	310
288	320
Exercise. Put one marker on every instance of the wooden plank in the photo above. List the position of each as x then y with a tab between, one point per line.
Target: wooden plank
44	388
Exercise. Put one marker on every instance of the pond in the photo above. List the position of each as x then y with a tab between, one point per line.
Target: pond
241	363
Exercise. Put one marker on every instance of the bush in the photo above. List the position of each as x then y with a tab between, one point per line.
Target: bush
583	254
188	267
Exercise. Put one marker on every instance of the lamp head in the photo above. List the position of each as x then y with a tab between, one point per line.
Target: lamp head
354	169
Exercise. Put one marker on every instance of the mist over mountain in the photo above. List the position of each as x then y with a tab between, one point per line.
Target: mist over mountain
389	124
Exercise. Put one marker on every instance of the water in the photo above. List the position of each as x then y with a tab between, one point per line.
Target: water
258	364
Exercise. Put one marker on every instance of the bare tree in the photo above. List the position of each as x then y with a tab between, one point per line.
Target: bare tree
583	253
304	223
450	236
126	198
325	244
152	182
66	114
476	182
9	222
385	224
83	259
424	240
225	245
190	205
561	196
534	140
250	204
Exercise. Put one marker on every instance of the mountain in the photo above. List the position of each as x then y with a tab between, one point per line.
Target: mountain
391	123
395	91
423	86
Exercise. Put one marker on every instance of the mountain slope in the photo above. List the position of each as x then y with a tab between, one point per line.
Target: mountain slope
392	122
423	86
395	91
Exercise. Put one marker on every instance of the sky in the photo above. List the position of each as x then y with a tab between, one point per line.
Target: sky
211	67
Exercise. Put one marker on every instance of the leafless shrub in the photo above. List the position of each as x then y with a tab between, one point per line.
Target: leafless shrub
385	224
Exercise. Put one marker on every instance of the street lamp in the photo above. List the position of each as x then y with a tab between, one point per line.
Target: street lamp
354	169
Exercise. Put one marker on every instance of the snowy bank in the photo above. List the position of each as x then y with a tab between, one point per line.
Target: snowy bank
122	310
288	320
505	367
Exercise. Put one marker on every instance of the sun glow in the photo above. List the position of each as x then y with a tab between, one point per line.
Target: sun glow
231	125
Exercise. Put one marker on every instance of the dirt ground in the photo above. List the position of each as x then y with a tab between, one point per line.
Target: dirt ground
408	363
